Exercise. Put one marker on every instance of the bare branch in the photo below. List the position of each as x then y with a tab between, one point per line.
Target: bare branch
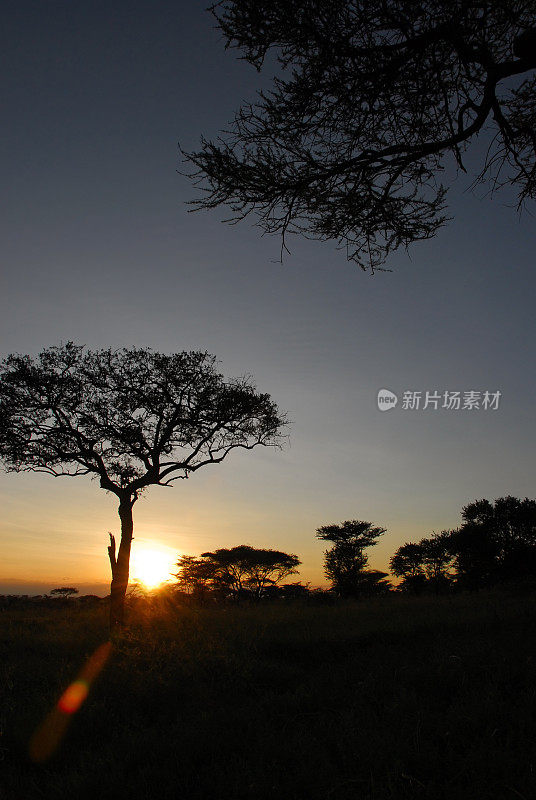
370	100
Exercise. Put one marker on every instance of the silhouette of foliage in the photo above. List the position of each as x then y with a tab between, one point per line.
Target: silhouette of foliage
241	571
368	101
408	560
288	591
408	563
345	562
195	576
131	418
497	541
438	559
64	591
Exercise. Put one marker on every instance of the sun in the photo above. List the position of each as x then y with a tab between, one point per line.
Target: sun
152	566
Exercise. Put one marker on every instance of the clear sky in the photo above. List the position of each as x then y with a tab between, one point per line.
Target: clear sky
98	247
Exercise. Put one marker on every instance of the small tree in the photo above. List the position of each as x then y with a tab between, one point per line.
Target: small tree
371	101
64	591
345	562
408	563
131	418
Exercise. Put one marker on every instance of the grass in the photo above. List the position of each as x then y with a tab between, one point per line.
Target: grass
394	698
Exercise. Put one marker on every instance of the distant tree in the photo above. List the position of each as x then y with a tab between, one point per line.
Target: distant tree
198	577
249	570
438	559
131	418
475	555
344	566
267	568
287	592
497	541
239	571
369	103
64	591
408	560
408	563
373	582
194	575
345	562
90	599
295	591
425	564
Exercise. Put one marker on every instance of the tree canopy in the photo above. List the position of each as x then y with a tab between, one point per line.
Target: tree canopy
495	542
370	102
345	562
131	418
237	571
353	531
64	591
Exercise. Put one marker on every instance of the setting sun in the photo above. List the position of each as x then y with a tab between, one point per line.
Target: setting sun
152	566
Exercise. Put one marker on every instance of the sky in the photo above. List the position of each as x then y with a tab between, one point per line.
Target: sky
98	247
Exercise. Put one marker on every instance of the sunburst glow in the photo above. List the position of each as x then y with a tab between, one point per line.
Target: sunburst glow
152	566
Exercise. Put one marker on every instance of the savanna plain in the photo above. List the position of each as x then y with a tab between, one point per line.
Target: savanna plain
394	697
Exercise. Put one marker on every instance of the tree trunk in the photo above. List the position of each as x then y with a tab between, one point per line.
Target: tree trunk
120	564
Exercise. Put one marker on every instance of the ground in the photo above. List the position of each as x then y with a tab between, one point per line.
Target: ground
392	698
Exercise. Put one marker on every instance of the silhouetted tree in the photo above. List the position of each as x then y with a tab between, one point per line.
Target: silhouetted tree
196	576
438	559
497	541
426	564
345	562
240	571
131	418
475	555
408	563
373	582
369	100
295	591
265	568
64	591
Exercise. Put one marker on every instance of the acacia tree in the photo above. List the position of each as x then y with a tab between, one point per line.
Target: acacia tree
131	418
370	102
64	592
236	570
345	563
267	568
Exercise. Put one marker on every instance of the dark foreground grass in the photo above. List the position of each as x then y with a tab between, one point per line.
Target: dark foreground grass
398	698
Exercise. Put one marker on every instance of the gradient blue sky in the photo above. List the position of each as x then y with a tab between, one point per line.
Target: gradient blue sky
97	247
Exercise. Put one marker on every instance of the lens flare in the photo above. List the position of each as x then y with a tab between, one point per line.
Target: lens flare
48	736
73	697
